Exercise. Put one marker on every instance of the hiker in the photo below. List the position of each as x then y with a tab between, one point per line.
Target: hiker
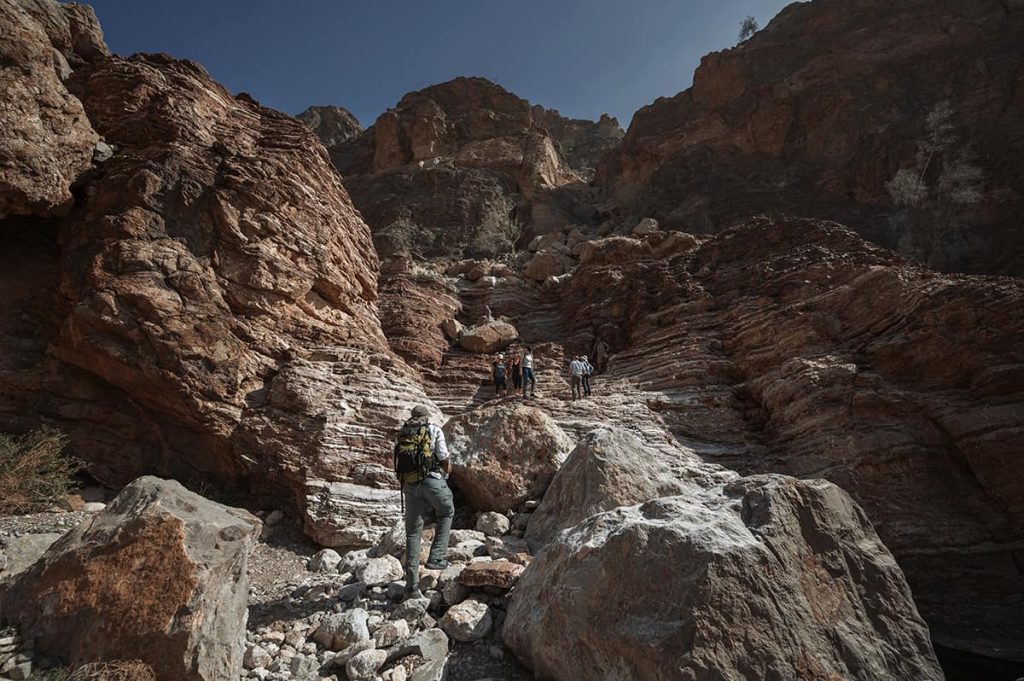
528	378
498	373
422	466
576	370
516	370
588	370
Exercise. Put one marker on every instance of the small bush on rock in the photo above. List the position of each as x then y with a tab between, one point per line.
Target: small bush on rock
35	471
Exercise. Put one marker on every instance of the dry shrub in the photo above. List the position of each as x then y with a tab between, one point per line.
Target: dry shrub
116	670
35	473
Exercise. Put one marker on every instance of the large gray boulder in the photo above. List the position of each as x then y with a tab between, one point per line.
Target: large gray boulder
160	576
607	469
767	577
504	454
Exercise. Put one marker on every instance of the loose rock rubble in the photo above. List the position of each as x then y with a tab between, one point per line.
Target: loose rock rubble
342	615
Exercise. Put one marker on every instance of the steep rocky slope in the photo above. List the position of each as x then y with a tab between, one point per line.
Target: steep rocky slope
794	346
207	310
815	113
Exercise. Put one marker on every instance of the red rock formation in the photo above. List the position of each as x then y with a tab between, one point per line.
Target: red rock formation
815	113
211	314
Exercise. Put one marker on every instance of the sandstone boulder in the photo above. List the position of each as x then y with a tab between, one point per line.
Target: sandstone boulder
504	454
499	574
159	576
489	337
769	573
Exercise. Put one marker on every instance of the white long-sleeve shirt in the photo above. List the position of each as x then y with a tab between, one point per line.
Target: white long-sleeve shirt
438	447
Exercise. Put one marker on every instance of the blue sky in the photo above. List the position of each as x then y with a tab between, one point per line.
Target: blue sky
582	57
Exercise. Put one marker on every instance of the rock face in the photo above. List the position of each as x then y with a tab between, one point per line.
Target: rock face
581	142
815	113
332	124
210	311
608	469
504	455
159	576
769	574
793	346
37	171
444	171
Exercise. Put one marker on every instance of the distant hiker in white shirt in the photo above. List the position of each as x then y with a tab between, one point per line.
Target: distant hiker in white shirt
528	379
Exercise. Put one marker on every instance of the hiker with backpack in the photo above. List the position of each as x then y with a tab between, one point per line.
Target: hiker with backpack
588	371
528	378
498	372
422	466
576	370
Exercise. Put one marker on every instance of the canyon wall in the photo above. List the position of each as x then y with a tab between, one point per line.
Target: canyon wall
818	111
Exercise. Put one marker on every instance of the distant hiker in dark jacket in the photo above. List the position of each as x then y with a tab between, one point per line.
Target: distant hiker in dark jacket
422	466
516	370
588	371
499	373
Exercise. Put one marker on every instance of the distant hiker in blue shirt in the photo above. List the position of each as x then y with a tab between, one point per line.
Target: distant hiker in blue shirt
588	371
498	372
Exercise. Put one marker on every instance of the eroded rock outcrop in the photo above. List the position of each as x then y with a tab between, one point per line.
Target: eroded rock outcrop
159	576
334	125
446	169
46	141
208	309
581	142
768	577
817	112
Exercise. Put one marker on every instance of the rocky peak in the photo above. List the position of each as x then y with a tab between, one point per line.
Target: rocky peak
582	142
332	124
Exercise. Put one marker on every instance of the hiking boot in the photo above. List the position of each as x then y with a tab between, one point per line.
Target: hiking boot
436	564
412	594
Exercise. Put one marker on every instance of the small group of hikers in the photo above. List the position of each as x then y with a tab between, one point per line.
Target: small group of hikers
519	368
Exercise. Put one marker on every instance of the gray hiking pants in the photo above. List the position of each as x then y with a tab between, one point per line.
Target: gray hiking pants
421	497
